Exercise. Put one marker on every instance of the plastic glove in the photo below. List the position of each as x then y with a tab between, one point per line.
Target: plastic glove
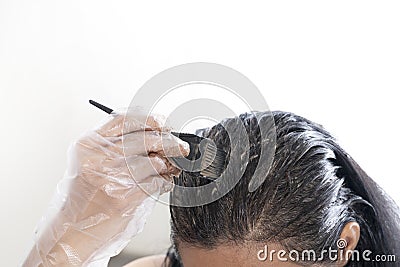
104	198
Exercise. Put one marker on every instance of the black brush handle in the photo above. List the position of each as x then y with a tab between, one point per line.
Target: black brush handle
100	106
192	139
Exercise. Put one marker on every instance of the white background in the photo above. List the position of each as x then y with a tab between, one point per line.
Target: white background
334	62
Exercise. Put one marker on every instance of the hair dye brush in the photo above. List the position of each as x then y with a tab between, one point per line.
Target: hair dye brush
204	156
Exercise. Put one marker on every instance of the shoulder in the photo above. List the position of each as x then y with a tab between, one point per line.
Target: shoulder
149	261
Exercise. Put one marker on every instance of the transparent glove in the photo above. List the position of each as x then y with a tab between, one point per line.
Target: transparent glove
114	176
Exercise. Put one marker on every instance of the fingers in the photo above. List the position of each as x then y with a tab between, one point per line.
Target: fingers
133	120
141	167
145	142
112	155
123	198
136	133
159	184
136	143
127	172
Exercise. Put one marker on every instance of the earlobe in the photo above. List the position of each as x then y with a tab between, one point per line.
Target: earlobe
348	241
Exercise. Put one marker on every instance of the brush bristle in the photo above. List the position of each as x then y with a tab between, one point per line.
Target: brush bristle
213	162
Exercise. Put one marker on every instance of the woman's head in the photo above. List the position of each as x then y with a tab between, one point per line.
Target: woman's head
313	195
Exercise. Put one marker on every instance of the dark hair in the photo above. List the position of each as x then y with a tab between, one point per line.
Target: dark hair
311	191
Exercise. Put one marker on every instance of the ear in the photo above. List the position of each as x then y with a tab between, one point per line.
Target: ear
349	239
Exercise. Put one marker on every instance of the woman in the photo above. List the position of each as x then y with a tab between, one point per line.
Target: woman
314	198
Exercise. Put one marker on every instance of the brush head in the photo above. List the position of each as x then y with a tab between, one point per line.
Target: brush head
213	161
204	157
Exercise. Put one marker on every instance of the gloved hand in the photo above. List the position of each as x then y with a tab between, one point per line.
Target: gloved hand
115	174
